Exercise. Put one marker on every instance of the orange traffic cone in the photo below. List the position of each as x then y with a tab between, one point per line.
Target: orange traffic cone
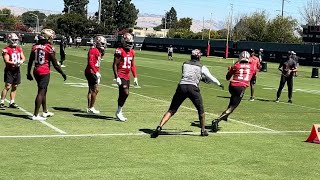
314	136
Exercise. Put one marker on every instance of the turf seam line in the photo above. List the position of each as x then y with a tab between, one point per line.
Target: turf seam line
43	122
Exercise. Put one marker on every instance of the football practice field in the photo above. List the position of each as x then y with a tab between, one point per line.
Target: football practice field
261	140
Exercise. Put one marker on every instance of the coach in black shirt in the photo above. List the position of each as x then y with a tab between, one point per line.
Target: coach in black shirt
287	69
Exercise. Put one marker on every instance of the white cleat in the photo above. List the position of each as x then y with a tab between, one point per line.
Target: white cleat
38	118
120	116
47	114
92	111
63	66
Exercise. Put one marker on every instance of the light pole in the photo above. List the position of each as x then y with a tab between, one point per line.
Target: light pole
37	25
99	12
210	25
165	19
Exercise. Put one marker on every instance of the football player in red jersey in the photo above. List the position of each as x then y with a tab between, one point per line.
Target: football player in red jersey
239	75
13	57
254	60
42	54
92	71
123	63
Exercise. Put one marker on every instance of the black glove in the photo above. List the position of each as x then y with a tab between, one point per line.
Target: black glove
64	76
222	87
29	77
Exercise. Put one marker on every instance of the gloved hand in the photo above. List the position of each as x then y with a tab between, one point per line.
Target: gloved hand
29	77
222	86
98	75
135	80
118	81
18	63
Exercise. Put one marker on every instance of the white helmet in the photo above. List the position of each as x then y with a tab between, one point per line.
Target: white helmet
47	34
13	39
100	42
127	41
196	53
244	56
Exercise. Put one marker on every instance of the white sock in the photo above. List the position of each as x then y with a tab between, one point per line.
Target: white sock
119	109
11	101
2	101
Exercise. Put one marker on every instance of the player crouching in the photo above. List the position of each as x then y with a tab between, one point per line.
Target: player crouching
122	64
92	72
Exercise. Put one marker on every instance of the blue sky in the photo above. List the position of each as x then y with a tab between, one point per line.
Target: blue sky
196	9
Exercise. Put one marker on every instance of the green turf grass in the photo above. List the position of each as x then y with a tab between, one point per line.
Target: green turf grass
254	144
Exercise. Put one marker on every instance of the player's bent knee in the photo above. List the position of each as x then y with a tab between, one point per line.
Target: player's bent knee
172	111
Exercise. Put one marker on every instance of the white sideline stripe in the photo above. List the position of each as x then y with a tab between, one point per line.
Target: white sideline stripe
240	122
144	134
43	122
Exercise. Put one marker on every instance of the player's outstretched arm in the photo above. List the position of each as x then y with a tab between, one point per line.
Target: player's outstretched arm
210	77
56	65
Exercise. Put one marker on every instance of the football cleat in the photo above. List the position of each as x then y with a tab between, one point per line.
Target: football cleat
290	101
277	100
2	107
204	133
120	117
13	105
92	111
47	114
62	65
156	132
215	125
251	99
38	118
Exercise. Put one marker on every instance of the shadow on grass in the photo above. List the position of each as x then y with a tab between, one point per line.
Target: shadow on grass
23	116
163	132
197	124
94	116
66	109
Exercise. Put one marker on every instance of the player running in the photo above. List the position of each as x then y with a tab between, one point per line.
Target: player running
256	65
239	75
123	63
42	54
13	57
92	72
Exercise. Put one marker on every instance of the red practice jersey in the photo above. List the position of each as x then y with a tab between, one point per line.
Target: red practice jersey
15	55
126	62
94	60
255	61
42	58
241	74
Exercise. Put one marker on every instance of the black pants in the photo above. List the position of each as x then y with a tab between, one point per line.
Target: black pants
283	81
183	92
62	56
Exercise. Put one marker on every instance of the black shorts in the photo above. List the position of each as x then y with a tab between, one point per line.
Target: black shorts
253	79
170	54
12	76
91	78
237	91
42	80
184	91
125	84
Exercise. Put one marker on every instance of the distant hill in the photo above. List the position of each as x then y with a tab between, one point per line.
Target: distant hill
144	20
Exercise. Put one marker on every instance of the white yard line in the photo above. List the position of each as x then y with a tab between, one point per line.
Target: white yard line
167	102
145	134
43	122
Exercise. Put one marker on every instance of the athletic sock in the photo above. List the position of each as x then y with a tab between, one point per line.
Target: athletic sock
119	109
11	101
2	101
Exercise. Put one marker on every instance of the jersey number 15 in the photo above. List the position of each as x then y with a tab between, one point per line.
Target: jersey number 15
127	62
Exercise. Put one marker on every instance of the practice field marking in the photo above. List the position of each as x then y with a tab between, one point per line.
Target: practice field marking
147	97
43	122
145	134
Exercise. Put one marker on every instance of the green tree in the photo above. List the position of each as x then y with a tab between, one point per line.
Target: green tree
311	13
29	18
184	23
126	14
281	30
7	20
108	19
52	23
76	6
73	24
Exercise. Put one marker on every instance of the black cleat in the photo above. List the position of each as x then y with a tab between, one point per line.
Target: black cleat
204	133
13	105
2	106
155	133
290	101
215	125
